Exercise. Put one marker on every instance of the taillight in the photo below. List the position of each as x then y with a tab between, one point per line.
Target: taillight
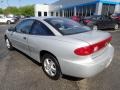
87	50
87	21
83	51
116	17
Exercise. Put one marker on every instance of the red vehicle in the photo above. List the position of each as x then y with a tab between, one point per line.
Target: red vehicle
116	17
76	18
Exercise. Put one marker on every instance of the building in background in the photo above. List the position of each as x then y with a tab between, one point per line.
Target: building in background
68	8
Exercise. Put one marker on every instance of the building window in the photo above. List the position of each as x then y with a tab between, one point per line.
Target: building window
52	13
45	13
56	13
108	9
61	13
39	13
69	12
87	10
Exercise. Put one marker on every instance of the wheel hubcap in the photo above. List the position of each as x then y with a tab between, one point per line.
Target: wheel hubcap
8	22
116	26
7	43
94	27
49	67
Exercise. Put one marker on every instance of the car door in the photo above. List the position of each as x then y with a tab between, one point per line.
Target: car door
37	38
107	22
21	35
100	22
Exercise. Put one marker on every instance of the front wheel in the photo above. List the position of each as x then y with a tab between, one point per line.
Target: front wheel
51	67
8	44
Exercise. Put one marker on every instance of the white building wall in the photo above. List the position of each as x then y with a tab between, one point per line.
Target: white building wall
42	8
117	8
99	8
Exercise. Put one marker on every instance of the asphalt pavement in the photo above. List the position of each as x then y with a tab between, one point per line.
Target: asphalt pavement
19	72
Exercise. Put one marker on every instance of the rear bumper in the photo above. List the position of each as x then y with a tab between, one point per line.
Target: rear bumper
88	67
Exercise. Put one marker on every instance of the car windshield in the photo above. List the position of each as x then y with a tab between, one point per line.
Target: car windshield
67	26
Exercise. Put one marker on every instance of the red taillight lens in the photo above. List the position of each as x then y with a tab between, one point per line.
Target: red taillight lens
87	21
83	51
87	50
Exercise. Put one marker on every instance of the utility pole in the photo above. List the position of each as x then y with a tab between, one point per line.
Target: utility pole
7	3
1	1
19	2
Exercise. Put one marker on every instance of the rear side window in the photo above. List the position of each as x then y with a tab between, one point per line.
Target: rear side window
40	29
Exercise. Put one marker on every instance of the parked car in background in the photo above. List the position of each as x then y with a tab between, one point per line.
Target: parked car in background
76	18
7	20
62	45
100	22
116	17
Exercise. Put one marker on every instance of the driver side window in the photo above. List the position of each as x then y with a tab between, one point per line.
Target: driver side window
24	26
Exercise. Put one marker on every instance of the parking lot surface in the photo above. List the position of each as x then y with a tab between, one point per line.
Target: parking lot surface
19	72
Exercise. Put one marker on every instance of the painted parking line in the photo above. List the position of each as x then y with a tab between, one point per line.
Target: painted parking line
114	31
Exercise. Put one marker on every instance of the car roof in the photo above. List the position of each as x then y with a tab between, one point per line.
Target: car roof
42	18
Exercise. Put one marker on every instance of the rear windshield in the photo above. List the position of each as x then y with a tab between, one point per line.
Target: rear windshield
67	26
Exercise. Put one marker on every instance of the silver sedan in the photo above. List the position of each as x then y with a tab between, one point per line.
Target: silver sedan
62	46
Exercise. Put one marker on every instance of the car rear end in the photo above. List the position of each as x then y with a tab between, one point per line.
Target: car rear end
12	20
87	20
81	52
76	18
91	59
116	17
90	21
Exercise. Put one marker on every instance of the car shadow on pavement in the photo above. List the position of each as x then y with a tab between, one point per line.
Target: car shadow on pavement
34	61
70	78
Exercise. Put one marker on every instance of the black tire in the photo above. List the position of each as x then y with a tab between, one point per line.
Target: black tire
95	27
116	27
9	22
7	41
58	73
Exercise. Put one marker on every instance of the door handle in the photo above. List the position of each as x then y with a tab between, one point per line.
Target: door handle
24	38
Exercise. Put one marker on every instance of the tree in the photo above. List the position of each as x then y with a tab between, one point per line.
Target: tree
27	10
11	10
1	11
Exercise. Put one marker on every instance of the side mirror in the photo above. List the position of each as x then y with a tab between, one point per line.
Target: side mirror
11	29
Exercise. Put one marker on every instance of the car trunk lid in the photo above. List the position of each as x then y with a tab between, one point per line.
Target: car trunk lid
94	38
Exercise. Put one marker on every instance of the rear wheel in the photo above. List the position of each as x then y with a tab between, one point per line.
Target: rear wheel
51	67
8	22
8	44
95	27
116	27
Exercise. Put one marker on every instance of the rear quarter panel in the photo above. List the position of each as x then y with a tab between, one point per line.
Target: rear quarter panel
62	48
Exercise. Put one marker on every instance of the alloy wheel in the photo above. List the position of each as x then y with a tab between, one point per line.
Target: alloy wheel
50	67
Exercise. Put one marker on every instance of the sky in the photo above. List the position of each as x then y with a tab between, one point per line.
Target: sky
23	2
